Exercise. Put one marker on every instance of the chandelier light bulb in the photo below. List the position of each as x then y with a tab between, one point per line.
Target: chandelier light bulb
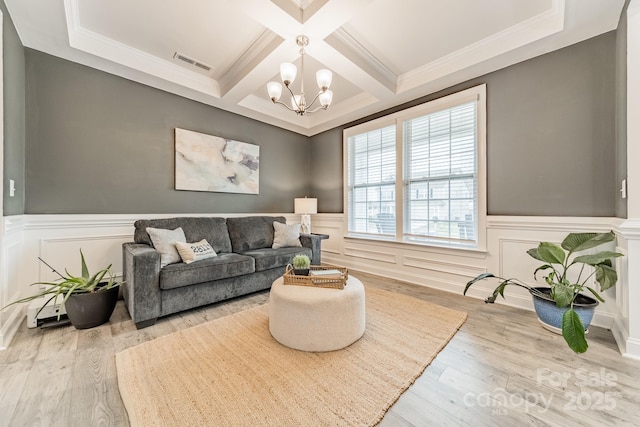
323	78
288	73
325	98
275	90
295	102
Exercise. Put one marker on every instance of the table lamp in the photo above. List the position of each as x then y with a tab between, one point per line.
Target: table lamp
305	207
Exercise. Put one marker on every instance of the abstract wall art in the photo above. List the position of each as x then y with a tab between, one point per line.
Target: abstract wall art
211	163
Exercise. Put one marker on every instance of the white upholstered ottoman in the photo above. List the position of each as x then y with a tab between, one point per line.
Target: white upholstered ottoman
316	319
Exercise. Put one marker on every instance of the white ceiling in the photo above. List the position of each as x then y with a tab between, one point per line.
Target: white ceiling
382	52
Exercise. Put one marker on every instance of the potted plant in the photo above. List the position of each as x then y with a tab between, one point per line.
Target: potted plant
301	264
562	304
89	300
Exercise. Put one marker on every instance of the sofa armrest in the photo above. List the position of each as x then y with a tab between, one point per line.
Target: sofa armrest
141	271
313	242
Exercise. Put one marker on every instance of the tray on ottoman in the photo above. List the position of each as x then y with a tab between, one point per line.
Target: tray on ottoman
321	276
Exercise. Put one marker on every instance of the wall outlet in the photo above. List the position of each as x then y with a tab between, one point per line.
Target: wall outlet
623	189
12	188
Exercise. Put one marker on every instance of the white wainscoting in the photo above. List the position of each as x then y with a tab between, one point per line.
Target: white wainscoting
11	279
626	328
508	239
58	239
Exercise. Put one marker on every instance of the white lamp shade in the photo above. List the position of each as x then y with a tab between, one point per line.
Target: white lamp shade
275	90
323	78
288	72
325	98
295	102
305	205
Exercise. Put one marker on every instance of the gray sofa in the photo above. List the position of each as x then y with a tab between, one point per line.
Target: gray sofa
245	263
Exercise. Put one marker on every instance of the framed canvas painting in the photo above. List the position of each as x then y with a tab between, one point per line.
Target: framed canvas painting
211	163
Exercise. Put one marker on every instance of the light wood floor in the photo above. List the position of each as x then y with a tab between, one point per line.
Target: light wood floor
500	369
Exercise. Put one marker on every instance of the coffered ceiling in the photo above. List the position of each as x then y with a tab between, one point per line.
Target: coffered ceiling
381	52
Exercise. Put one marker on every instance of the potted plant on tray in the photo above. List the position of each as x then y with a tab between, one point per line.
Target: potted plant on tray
89	300
301	264
562	307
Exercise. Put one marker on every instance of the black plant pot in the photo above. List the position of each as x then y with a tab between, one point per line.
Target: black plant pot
86	310
301	271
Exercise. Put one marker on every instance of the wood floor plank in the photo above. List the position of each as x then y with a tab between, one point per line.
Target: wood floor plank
25	344
56	341
46	397
94	389
67	377
13	378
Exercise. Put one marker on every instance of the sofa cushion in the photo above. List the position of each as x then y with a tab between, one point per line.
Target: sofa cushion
213	229
285	235
220	267
252	232
267	258
164	241
191	252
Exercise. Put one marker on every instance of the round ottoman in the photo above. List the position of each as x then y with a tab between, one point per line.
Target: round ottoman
311	318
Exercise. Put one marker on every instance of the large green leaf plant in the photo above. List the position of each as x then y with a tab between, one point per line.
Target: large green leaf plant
69	284
558	260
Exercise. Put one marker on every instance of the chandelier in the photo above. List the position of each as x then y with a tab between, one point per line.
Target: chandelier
288	73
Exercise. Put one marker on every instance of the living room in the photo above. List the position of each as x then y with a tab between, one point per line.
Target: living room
89	149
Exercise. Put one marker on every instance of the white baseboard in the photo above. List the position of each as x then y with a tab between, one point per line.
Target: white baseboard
10	327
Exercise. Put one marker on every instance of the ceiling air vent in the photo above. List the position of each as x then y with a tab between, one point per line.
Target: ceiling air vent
192	61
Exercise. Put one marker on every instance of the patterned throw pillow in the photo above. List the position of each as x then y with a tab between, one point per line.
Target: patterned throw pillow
285	235
165	242
190	252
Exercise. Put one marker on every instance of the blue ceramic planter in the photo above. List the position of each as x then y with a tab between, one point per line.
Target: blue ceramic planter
550	315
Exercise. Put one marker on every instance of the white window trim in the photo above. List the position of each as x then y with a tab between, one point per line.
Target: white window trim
477	93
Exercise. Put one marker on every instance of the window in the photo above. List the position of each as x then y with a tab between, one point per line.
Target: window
373	182
418	175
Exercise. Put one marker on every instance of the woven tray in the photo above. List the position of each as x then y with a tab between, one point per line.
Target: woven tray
321	282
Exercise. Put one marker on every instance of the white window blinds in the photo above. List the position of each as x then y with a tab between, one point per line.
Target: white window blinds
372	181
440	175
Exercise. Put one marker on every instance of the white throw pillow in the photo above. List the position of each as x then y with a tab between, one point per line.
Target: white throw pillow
285	235
165	242
190	252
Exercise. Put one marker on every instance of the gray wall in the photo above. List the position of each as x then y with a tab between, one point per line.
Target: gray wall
621	110
326	170
14	115
97	143
550	135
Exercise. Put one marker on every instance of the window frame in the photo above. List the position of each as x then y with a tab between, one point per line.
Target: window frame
477	94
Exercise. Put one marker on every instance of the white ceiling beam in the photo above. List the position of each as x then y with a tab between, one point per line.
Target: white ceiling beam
271	16
366	72
349	47
358	74
260	50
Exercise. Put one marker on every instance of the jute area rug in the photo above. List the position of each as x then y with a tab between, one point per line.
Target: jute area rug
231	372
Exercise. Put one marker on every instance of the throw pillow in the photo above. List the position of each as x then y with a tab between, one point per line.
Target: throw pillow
190	252
285	235
165	242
